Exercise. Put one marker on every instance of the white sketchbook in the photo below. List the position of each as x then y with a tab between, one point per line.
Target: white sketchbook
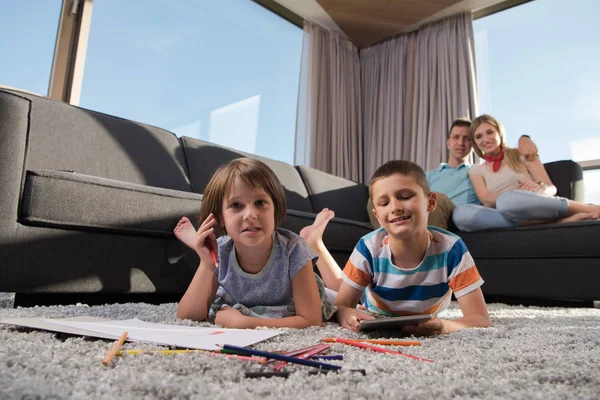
189	337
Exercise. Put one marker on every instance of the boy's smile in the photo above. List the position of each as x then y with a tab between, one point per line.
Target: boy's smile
401	206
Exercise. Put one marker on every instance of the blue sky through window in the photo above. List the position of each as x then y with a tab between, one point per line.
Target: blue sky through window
537	69
225	72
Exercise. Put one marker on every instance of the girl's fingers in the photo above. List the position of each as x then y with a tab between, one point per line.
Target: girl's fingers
208	223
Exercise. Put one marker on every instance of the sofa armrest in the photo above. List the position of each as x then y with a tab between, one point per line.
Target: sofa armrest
567	176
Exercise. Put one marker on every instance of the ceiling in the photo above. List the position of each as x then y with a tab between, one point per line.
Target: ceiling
365	22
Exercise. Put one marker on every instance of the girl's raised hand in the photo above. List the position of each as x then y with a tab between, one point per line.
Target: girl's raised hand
206	240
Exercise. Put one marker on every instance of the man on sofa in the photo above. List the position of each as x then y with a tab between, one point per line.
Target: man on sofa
451	180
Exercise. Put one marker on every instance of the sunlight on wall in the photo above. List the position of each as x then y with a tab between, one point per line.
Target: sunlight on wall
192	130
586	149
591	184
236	125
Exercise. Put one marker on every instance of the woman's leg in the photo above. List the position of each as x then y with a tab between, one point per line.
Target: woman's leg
472	217
527	206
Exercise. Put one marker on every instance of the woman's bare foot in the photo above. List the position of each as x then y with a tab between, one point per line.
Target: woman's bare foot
186	233
313	234
582	216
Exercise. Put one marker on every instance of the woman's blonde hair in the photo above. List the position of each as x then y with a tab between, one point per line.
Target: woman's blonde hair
513	157
253	173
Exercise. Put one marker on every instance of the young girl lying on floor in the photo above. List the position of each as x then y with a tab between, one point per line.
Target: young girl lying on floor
265	274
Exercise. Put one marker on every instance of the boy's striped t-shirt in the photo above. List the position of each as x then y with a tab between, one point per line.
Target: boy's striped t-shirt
426	289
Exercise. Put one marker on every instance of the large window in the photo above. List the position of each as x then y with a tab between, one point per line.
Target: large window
222	71
27	36
537	70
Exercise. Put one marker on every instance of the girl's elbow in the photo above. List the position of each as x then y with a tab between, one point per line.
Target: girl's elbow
198	316
485	321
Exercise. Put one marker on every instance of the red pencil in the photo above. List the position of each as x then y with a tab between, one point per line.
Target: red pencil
379	349
308	354
208	243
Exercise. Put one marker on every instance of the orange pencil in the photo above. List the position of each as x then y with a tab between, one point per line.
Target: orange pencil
379	349
382	342
114	349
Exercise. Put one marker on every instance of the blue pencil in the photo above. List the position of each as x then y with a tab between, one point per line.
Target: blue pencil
328	357
281	357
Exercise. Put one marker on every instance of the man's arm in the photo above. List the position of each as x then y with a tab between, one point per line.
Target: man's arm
527	148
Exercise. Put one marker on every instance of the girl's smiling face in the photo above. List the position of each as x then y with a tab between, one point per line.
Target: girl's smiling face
487	139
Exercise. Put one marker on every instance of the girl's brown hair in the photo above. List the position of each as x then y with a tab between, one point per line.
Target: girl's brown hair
253	173
513	157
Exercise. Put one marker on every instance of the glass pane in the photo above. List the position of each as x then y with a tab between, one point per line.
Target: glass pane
223	71
27	39
537	69
591	182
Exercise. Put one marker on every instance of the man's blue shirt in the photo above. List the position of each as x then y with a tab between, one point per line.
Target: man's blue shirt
454	183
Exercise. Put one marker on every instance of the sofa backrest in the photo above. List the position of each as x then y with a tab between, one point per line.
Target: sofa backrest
204	158
567	176
62	137
347	198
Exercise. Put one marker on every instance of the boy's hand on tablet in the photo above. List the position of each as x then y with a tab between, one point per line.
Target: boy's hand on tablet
350	318
434	326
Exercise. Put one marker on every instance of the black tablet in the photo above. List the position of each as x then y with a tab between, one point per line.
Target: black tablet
393	323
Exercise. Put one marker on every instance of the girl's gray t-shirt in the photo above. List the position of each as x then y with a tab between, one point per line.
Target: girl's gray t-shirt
272	286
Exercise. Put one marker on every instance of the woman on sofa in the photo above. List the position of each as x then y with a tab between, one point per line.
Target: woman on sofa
513	190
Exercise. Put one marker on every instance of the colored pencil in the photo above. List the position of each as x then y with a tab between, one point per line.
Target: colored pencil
114	349
306	355
382	342
253	352
379	349
293	353
212	251
328	357
172	352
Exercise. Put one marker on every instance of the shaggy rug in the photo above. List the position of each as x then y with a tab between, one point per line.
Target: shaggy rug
529	353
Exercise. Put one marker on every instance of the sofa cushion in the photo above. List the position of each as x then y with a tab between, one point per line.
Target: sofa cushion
347	198
204	158
536	241
74	201
65	137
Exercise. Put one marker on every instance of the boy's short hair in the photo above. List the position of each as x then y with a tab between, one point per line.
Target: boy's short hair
253	173
466	122
404	168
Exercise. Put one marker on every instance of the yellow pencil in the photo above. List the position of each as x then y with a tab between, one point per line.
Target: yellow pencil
114	349
382	342
172	352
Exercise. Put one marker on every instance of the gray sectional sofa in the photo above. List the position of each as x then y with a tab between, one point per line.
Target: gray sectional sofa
89	201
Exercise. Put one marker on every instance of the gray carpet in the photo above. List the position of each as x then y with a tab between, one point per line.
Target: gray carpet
529	353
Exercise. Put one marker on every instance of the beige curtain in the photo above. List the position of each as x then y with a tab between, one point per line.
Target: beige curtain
329	123
413	87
